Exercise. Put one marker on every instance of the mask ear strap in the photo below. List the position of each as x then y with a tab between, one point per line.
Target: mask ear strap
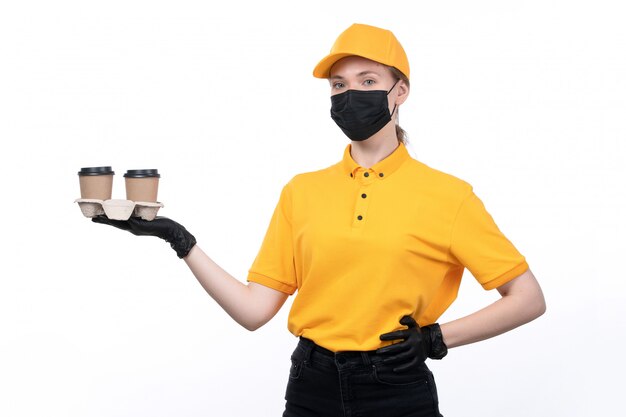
395	105
394	84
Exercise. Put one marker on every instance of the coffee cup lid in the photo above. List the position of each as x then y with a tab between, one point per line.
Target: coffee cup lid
142	173
96	171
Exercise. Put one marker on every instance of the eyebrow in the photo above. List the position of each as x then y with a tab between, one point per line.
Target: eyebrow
360	74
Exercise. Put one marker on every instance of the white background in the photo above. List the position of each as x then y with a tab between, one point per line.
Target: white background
525	100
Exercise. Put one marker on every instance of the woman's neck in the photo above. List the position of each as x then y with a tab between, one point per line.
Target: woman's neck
369	152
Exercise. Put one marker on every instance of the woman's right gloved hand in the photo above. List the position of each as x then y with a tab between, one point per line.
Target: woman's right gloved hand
167	229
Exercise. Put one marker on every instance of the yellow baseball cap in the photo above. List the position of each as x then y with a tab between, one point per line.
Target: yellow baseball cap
369	42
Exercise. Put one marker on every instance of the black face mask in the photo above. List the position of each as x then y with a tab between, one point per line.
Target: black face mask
360	114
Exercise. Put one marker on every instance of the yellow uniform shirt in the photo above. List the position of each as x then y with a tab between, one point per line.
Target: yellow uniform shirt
364	247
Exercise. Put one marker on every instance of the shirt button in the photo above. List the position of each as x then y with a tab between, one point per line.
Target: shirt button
367	174
381	175
363	195
360	217
351	175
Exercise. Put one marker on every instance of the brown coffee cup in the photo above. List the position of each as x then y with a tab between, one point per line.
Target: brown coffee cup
96	182
142	184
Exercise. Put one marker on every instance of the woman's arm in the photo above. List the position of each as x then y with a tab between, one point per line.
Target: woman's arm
522	301
250	305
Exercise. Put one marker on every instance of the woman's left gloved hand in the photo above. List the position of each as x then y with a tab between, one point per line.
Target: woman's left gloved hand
419	343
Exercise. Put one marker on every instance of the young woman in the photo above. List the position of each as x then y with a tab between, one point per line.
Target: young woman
375	247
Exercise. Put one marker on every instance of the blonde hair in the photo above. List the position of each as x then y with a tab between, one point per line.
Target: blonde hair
400	133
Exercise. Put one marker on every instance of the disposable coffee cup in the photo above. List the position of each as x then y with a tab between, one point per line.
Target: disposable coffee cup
96	182
142	184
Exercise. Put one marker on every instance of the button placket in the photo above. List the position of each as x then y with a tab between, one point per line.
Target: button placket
365	177
361	205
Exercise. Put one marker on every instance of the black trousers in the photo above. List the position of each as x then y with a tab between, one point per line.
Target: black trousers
351	384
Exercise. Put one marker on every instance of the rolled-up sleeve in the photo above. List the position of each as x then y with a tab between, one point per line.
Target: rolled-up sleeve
479	245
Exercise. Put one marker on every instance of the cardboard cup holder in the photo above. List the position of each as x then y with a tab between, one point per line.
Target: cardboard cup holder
90	207
141	184
118	209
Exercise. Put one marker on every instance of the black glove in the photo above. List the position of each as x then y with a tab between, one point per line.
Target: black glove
419	343
167	229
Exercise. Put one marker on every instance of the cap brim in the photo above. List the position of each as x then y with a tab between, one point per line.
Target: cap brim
322	69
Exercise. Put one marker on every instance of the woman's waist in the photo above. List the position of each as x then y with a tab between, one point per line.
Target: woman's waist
314	354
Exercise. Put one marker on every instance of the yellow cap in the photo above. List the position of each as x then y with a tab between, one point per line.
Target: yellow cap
369	42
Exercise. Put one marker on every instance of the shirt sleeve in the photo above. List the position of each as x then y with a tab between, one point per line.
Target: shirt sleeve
273	266
479	245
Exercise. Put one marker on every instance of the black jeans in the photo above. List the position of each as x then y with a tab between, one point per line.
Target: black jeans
351	384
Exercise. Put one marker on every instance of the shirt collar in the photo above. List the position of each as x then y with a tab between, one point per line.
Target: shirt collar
383	169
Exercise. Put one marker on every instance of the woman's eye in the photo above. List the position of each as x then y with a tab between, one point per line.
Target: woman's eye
338	85
369	82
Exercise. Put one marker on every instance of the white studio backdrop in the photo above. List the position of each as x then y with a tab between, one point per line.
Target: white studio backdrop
524	100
